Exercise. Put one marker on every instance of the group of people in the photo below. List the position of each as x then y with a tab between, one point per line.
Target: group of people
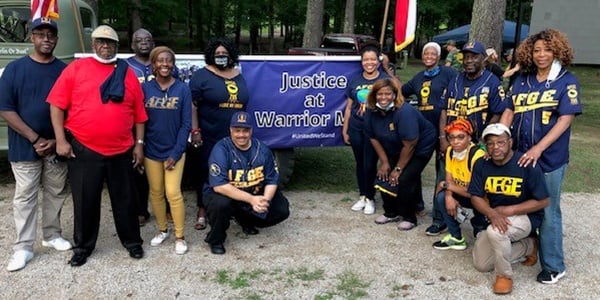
500	155
107	120
132	125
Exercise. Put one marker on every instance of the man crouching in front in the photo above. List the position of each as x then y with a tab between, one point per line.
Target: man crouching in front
517	195
242	183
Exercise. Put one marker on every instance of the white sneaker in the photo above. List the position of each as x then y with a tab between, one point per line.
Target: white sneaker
18	260
360	204
159	238
369	207
58	243
180	246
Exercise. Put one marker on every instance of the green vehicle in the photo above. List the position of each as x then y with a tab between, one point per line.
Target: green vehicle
76	23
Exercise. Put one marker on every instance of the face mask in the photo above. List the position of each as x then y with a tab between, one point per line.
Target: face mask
221	61
459	155
387	108
104	61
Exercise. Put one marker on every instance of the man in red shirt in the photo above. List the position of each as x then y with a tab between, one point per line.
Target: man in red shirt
93	106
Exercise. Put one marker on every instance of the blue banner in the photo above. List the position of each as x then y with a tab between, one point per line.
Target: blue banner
298	103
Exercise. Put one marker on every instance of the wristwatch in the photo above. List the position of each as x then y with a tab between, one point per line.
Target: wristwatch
398	169
444	185
141	142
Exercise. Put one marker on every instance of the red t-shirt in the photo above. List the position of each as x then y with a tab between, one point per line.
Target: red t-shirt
104	128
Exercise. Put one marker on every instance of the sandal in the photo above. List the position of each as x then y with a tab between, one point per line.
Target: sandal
200	223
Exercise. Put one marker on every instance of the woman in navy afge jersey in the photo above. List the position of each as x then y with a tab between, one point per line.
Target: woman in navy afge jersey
403	140
545	100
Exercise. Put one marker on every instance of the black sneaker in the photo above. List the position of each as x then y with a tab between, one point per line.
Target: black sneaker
548	277
435	229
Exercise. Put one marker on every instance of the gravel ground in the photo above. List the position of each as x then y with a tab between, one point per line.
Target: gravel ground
324	251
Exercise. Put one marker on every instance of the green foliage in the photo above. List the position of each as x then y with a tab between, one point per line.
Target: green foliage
305	275
351	286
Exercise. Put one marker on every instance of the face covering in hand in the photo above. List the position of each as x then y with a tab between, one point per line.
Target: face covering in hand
387	108
221	61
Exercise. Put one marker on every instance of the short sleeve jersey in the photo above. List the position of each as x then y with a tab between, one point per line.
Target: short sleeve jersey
429	91
509	184
250	170
404	123
169	120
105	128
476	99
461	169
217	99
24	86
358	90
537	107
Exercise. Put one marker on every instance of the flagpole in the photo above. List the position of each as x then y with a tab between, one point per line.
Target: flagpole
383	25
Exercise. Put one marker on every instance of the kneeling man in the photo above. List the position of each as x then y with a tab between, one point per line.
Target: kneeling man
515	197
242	183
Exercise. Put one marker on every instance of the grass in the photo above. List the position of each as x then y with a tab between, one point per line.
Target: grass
332	169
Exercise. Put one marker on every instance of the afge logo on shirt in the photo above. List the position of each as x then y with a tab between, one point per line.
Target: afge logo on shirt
214	170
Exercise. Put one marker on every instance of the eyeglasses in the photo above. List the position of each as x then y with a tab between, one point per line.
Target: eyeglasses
101	42
459	137
499	143
49	35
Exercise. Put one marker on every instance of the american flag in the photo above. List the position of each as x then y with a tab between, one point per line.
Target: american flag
405	23
44	9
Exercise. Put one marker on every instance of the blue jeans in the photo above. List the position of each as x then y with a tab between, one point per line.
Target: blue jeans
551	241
478	221
366	162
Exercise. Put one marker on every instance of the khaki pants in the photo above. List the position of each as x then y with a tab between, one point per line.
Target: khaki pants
30	176
496	251
167	182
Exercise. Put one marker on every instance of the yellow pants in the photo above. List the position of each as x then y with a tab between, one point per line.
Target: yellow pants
167	182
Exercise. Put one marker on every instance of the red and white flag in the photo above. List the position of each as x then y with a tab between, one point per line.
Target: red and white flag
406	23
44	9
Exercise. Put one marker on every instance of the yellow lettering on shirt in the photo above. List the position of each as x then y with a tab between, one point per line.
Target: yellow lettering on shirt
508	186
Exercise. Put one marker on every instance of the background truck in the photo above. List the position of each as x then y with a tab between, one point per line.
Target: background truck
76	23
337	44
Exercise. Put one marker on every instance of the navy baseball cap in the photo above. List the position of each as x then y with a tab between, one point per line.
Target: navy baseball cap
41	22
474	47
241	119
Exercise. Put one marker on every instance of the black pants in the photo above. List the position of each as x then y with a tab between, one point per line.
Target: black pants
220	209
87	173
408	195
141	191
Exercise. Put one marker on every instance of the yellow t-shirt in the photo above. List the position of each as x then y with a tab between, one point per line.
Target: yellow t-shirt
460	169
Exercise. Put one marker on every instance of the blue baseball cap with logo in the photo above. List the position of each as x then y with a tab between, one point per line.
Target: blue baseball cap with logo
474	47
44	22
241	119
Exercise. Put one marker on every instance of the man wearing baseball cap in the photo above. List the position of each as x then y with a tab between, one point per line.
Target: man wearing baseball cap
24	85
512	197
94	105
454	58
475	94
242	183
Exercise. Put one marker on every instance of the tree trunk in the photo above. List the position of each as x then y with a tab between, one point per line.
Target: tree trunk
271	26
349	16
313	28
487	23
135	21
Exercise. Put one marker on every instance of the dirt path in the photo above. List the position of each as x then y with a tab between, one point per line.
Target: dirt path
324	251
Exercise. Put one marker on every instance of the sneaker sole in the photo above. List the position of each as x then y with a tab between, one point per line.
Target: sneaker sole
357	209
459	248
388	221
436	233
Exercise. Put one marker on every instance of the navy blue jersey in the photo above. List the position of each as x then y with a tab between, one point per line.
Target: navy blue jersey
169	120
358	89
537	107
429	91
144	72
475	99
250	170
509	184
217	99
24	87
404	123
